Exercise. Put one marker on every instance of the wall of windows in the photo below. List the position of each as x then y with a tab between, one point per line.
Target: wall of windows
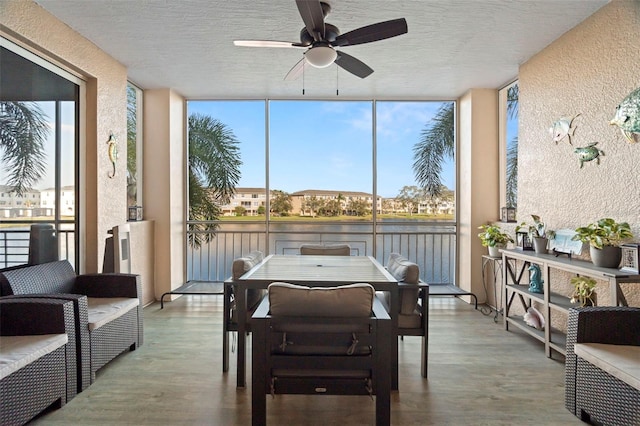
328	160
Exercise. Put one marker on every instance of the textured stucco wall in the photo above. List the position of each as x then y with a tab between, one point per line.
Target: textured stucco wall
104	199
588	70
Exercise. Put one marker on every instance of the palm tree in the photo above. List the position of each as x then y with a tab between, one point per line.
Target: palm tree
437	142
23	131
214	172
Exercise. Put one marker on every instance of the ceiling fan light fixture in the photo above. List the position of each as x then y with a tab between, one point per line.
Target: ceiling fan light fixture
321	56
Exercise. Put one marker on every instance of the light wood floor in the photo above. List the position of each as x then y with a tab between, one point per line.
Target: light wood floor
479	374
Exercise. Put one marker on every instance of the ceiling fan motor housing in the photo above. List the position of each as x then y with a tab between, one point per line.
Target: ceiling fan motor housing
330	34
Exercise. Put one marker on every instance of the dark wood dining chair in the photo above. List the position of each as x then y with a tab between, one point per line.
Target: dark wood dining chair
321	341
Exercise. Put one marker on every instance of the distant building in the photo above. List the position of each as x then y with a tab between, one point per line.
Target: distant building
249	198
34	203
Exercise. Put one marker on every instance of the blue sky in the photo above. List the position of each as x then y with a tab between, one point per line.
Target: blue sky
326	144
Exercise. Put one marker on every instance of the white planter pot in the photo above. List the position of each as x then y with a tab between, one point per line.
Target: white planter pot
495	250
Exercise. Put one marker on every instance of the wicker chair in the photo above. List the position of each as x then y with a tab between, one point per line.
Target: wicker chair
321	341
49	379
325	249
98	343
230	324
591	393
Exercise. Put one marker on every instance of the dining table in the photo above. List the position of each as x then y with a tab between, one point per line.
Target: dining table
315	271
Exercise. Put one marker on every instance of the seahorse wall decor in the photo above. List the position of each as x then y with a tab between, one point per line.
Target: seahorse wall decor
112	149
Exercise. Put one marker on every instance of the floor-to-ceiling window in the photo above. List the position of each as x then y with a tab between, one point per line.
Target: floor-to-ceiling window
39	129
378	175
508	97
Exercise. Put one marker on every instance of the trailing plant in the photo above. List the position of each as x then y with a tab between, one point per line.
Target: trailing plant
493	235
604	232
583	290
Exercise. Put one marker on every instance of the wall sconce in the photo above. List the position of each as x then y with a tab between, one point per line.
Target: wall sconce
135	213
523	241
508	214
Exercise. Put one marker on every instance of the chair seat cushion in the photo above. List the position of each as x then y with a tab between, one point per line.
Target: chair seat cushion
102	310
413	320
17	352
353	300
620	361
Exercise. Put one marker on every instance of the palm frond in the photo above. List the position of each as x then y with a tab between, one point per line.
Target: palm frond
437	141
23	132
512	173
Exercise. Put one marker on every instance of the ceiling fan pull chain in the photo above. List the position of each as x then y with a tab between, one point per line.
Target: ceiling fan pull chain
303	81
337	91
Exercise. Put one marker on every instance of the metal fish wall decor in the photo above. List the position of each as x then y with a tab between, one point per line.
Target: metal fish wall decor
562	129
627	116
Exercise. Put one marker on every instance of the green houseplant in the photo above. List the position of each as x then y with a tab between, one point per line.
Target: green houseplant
604	238
583	291
493	237
537	233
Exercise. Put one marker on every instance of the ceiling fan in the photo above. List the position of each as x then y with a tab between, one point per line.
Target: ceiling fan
321	38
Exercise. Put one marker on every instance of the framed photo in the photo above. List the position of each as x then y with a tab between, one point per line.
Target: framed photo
631	258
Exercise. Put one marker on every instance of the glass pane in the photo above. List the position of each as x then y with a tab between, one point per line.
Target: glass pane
134	146
320	154
38	160
512	146
67	161
415	163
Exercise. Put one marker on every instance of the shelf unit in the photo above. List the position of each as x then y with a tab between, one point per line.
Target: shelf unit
512	278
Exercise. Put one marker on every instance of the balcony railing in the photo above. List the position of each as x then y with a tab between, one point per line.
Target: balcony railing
432	245
14	246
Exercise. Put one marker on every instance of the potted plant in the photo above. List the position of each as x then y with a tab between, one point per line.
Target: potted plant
494	238
583	292
538	233
604	238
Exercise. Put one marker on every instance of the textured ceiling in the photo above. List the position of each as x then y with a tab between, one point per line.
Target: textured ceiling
451	46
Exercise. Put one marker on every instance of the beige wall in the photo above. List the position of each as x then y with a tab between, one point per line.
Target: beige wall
27	24
588	70
164	177
477	181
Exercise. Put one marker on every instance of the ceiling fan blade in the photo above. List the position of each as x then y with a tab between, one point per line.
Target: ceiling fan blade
296	70
373	32
353	65
313	17
266	43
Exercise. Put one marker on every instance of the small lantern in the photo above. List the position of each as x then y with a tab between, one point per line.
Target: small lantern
508	214
631	258
135	213
523	241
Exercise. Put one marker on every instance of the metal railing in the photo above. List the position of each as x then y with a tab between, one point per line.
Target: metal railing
14	246
432	245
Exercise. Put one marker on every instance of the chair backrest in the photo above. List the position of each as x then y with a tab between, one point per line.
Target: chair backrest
407	272
325	249
52	277
353	300
243	264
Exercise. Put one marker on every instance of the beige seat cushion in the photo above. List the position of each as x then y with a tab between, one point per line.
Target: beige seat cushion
102	310
621	361
244	264
353	300
407	272
17	352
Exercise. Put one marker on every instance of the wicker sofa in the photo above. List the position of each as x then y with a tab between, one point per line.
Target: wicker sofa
602	368
107	308
37	357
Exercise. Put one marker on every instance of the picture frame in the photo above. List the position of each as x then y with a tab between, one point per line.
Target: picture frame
630	258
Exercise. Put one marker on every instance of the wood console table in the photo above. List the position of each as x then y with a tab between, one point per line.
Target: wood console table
513	284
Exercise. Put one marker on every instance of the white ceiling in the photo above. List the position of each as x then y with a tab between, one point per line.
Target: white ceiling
451	46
